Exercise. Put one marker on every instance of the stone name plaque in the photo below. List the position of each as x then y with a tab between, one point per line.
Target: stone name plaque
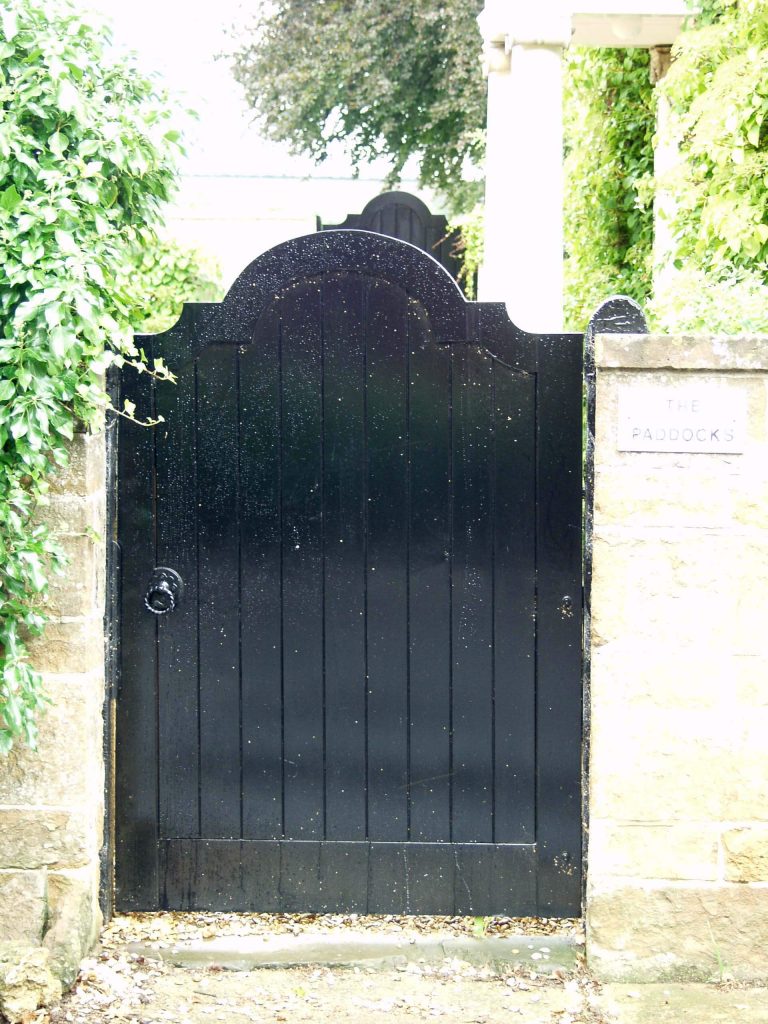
682	418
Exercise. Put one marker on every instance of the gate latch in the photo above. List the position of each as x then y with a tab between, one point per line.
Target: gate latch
164	591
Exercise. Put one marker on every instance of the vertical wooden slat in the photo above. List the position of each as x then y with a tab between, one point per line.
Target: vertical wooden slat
387	564
176	524
261	484
558	679
514	415
403	223
302	408
472	713
136	746
388	221
344	492
219	559
429	584
418	233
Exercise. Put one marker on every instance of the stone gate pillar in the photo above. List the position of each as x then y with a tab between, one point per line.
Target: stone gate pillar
678	779
52	798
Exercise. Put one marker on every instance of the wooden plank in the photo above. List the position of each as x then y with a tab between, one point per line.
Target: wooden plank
136	874
495	876
387	579
429	583
387	218
472	615
260	569
388	882
219	590
514	523
302	474
291	876
176	526
344	489
430	880
559	558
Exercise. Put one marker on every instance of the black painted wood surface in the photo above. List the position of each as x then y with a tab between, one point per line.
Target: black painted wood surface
404	216
369	695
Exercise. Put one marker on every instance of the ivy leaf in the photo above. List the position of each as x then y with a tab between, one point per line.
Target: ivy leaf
69	98
10	23
10	198
65	241
58	142
61	341
73	276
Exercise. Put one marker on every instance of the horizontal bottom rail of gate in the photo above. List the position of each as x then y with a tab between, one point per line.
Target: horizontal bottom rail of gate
299	876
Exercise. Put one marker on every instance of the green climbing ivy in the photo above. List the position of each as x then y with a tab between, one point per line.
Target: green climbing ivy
86	159
610	121
717	88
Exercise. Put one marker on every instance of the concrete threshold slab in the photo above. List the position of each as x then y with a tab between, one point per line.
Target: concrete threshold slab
541	953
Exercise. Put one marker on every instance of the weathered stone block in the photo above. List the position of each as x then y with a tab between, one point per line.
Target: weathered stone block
682	352
751	575
751	680
67	769
26	982
22	906
86	471
74	919
640	495
37	838
692	677
611	381
74	645
73	514
667	587
660	765
76	592
648	851
743	776
653	933
746	854
750	500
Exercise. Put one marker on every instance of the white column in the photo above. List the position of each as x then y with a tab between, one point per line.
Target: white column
523	263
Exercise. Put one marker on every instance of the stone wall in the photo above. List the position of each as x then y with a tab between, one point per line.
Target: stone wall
52	799
678	775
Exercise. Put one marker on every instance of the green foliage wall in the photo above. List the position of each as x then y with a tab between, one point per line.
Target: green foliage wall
718	91
86	160
160	278
610	122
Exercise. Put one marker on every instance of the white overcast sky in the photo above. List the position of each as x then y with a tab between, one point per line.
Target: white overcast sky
181	40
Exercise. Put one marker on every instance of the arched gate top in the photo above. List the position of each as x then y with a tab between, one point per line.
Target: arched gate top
359	252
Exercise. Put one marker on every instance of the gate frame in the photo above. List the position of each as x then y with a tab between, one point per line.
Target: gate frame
207	316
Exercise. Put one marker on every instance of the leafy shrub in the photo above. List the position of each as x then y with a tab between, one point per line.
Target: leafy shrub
86	159
469	229
161	278
609	126
694	301
718	90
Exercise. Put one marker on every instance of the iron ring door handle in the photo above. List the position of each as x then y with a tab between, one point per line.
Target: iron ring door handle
164	591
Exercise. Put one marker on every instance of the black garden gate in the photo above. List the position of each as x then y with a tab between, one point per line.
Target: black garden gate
350	591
